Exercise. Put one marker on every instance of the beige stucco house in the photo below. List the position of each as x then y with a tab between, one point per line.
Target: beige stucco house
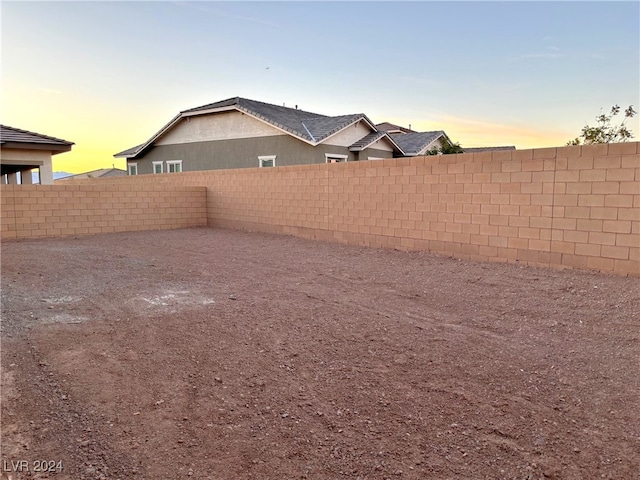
21	151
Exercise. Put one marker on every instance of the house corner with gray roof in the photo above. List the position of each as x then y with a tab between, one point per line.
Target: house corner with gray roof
244	133
22	151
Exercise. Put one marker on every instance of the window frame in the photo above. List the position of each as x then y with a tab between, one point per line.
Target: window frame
131	167
267	158
160	164
340	158
171	163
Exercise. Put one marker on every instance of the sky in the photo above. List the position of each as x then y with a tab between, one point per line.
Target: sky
108	75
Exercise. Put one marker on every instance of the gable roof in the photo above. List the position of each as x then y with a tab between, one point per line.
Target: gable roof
309	127
100	173
370	139
392	128
129	151
11	137
414	143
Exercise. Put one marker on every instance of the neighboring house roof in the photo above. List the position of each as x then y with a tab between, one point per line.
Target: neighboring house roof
309	127
370	139
487	149
415	143
100	173
129	151
391	128
11	137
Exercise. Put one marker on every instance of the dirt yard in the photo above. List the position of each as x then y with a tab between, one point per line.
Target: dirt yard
215	354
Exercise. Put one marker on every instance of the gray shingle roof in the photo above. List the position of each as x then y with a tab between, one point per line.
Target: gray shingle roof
367	140
17	135
414	143
386	126
310	126
100	173
129	151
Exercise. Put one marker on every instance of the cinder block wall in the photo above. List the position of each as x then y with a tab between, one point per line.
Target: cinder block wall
559	207
52	210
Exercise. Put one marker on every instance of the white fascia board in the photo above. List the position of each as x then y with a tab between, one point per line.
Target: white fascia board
430	144
387	137
446	137
272	125
369	122
208	111
247	112
391	141
161	132
359	149
363	118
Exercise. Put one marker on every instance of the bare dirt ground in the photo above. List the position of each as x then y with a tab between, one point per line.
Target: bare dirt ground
216	354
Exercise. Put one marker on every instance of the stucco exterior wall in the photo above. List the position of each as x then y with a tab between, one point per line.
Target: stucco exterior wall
30	158
349	135
236	140
375	153
238	153
223	126
24	156
382	145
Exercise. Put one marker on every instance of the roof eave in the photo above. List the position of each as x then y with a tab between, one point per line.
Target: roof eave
360	117
65	149
393	142
423	149
189	113
252	114
276	125
54	148
145	145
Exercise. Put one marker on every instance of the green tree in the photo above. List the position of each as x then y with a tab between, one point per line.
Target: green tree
604	131
446	150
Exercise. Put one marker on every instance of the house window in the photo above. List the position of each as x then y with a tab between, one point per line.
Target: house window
157	167
174	166
133	169
335	157
267	160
